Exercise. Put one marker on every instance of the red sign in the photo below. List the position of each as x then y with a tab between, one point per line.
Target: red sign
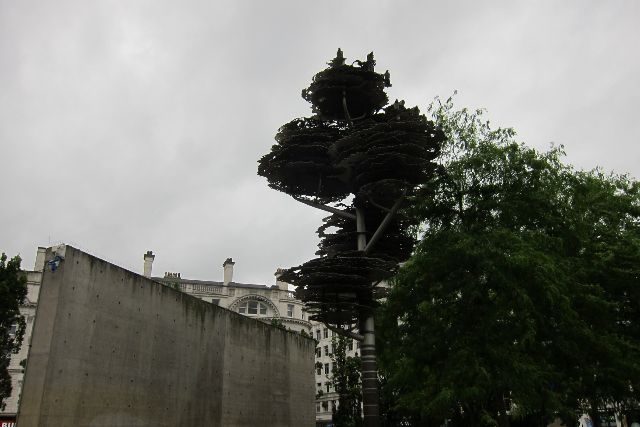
7	422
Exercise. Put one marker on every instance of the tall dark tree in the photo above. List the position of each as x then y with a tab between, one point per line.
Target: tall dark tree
358	159
520	303
13	291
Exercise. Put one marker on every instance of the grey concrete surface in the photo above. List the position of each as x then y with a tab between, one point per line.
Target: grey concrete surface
113	348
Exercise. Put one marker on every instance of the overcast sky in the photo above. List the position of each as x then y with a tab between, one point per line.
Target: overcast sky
128	126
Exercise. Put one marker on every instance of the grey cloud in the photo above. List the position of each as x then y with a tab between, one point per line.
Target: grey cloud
136	126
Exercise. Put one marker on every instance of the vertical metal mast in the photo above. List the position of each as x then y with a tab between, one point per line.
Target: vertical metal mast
368	350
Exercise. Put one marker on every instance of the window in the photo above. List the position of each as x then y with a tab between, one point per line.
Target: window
319	386
326	369
318	371
333	405
318	334
326	350
350	345
318	352
252	308
326	333
333	348
328	385
289	310
317	407
325	406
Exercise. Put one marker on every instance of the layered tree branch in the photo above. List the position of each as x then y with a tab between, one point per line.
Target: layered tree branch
326	208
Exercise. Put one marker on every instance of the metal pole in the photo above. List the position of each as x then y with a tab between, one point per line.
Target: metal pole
368	350
369	375
360	229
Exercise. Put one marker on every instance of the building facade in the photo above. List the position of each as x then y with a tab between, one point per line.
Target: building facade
326	396
271	304
18	360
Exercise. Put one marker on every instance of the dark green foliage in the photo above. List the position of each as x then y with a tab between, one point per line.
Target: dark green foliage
521	302
339	234
300	164
337	288
388	152
277	322
359	87
351	147
13	291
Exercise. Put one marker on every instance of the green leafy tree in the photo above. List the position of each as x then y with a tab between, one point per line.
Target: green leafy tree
604	254
13	291
359	159
518	304
345	379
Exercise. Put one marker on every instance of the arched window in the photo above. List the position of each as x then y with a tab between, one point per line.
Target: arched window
252	308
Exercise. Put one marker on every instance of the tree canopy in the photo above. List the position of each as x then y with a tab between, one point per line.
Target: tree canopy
359	159
361	156
520	303
13	291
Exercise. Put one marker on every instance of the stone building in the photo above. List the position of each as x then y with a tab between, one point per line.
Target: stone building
326	396
273	303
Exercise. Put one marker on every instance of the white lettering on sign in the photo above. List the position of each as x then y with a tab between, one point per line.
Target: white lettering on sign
8	424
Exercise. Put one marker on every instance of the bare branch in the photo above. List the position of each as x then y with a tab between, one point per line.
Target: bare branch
385	222
326	208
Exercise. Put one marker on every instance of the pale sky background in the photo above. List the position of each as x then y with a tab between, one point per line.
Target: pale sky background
128	126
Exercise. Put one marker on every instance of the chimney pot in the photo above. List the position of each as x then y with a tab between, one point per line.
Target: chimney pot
148	263
39	264
228	271
283	286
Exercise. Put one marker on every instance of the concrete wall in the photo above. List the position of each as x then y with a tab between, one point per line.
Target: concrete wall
113	348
